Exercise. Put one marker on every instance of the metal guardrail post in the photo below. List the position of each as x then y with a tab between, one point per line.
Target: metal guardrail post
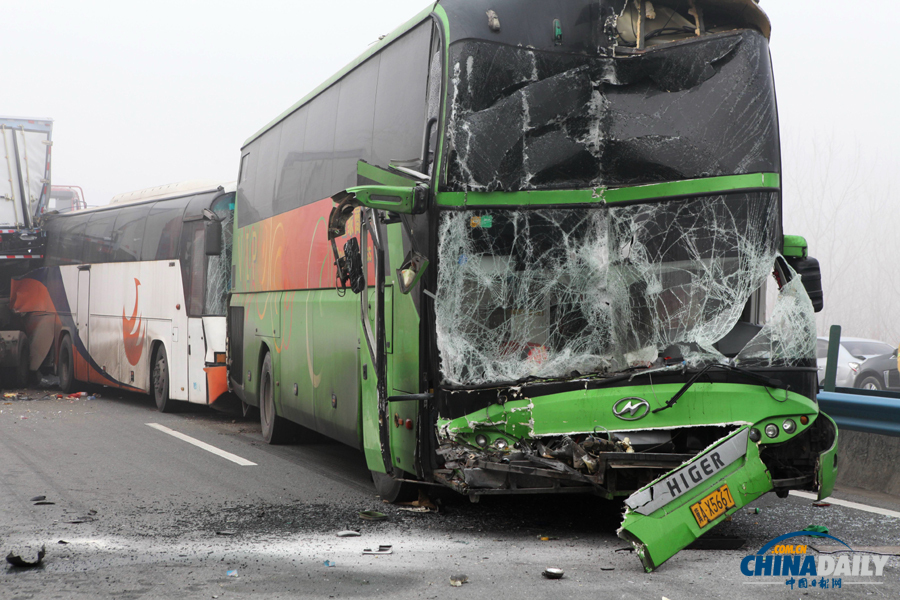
834	341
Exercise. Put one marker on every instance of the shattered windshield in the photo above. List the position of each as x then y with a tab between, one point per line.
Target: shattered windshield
561	292
524	119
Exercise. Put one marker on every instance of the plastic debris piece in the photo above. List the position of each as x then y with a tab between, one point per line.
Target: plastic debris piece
10	395
62	542
816	528
458	580
16	560
607	568
329	563
78	395
38	498
43	503
372	515
382	549
821	504
231	573
348	533
226	532
418	509
552	573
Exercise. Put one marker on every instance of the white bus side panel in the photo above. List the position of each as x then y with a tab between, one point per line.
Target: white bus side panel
133	306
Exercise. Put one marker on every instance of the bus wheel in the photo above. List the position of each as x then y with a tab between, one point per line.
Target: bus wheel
160	381
274	428
19	373
393	490
66	367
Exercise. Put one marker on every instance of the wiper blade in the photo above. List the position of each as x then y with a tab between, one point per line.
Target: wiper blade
769	381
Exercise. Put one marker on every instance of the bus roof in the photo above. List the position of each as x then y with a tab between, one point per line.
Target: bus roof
172	190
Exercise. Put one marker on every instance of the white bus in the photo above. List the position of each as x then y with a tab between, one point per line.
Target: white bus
132	295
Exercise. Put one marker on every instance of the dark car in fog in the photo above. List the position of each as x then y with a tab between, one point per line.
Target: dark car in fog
879	373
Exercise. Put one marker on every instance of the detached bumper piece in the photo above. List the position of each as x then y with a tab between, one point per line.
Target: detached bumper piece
669	514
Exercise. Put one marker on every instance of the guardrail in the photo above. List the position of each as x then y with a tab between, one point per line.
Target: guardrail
861	410
856	409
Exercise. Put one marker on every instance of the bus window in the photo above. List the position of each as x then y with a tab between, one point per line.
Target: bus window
290	161
98	237
355	116
128	236
318	147
400	98
65	247
163	231
193	266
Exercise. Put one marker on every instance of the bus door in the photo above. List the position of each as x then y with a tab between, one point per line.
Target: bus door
196	361
82	318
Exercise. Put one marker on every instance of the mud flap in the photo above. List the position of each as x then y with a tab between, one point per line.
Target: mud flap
826	466
667	515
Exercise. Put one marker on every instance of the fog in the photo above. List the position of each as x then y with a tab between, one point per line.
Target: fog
144	94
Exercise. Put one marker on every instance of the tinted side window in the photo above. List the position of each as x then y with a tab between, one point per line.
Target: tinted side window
128	237
290	161
400	98
246	211
266	172
65	238
355	118
98	237
318	146
163	231
193	266
821	349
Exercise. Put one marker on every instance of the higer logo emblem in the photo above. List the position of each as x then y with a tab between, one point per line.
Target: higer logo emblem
631	409
133	331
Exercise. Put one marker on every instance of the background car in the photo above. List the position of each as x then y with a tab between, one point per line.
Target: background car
852	353
879	373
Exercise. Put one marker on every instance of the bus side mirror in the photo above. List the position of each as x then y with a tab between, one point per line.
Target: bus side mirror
213	237
796	253
411	271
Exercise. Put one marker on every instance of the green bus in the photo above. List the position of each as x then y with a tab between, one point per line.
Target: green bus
523	246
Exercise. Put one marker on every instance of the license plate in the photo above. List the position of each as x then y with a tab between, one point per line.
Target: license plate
712	506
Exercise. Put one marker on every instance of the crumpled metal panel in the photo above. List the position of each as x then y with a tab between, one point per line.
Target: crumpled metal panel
525	119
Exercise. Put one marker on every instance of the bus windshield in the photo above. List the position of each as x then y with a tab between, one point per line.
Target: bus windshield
561	292
524	119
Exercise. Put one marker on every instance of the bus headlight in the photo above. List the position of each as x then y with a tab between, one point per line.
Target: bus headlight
772	430
789	426
481	440
501	444
755	435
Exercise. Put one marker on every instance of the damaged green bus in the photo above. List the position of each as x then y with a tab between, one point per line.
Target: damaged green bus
524	247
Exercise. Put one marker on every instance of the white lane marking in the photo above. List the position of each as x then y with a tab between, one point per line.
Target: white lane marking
864	507
227	455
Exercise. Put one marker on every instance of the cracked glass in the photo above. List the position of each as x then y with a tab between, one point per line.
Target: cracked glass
553	293
525	119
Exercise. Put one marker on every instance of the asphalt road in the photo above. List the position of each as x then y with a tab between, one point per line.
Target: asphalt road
131	511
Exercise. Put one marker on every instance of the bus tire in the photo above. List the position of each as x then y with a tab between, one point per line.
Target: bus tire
392	490
66	367
159	380
18	376
274	428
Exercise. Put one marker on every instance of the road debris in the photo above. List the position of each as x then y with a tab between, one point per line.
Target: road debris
231	573
38	498
348	533
821	504
418	509
552	573
329	563
43	503
226	532
458	580
816	529
382	549
372	515
16	560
